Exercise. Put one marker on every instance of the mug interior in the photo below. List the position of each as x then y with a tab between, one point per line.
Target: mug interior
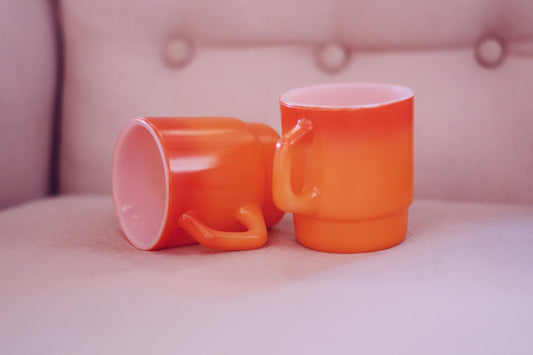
140	184
346	95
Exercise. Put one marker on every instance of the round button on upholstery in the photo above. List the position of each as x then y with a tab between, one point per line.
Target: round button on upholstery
490	51
178	52
332	57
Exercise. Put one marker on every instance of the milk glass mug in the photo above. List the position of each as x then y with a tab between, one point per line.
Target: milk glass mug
344	165
181	180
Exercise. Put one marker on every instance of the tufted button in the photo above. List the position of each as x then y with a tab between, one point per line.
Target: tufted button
490	51
178	52
332	57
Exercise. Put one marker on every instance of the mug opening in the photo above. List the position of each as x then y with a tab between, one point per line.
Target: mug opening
140	184
346	95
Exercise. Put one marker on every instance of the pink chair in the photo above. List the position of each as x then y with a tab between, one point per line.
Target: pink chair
73	73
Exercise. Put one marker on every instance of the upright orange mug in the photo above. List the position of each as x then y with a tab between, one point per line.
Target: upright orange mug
344	165
178	181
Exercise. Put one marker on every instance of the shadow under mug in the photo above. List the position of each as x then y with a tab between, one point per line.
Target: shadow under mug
177	181
344	165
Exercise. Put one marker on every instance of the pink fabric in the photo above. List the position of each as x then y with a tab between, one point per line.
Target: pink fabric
460	283
27	91
473	138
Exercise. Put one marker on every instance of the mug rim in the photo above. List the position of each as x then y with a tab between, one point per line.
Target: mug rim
126	131
404	93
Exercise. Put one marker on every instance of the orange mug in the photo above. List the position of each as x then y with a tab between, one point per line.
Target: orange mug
178	181
344	165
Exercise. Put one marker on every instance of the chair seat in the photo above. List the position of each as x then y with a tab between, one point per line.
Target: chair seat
71	283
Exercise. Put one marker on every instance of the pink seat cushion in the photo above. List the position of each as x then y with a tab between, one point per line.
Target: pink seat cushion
71	283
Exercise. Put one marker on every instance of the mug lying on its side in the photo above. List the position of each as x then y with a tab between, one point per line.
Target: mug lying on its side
178	181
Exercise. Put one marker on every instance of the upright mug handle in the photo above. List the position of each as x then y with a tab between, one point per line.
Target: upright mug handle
249	216
305	201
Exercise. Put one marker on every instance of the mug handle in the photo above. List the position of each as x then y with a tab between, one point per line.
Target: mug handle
305	201
249	216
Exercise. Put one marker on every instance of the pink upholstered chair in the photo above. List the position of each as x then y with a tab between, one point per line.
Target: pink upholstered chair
73	72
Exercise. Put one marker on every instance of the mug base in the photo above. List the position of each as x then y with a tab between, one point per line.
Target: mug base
351	236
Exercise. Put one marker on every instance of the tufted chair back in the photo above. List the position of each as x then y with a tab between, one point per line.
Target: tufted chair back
470	64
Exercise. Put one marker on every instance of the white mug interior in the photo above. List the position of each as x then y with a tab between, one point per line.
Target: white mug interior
346	95
140	184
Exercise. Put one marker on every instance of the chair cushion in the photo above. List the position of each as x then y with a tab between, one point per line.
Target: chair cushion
235	58
460	283
27	96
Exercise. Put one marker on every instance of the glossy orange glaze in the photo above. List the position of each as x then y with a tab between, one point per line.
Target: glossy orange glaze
268	139
344	172
216	184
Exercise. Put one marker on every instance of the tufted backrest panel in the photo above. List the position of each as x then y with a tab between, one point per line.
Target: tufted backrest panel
469	62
